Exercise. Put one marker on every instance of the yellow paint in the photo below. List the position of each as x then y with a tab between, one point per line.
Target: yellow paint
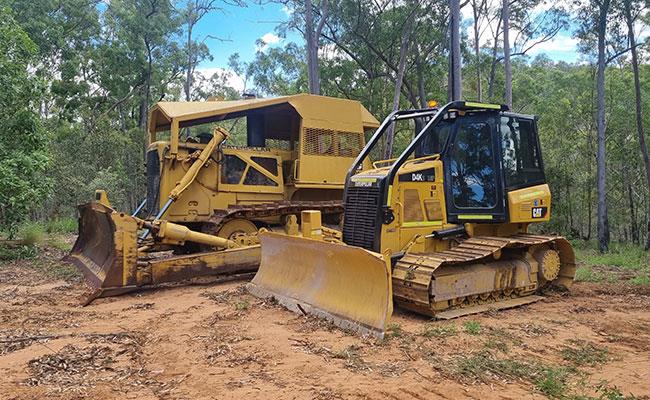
522	201
482	105
197	183
474	216
362	179
350	286
424	223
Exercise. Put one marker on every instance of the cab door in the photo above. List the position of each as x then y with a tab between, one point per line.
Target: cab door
474	189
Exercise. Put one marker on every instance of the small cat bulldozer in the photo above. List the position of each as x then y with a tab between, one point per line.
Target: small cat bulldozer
207	197
441	230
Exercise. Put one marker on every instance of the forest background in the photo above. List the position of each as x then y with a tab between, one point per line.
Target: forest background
78	76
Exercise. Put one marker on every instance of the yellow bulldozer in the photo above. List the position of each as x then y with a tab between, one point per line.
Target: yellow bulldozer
442	230
207	194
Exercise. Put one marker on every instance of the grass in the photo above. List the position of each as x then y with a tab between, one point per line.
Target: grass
643	279
621	256
551	381
588	274
582	353
472	327
61	225
242	305
13	253
393	330
31	233
439	331
625	256
58	270
58	243
611	392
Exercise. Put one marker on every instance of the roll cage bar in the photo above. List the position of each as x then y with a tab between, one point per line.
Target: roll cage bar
436	115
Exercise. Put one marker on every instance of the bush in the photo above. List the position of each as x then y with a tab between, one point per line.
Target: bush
620	255
61	225
31	233
12	253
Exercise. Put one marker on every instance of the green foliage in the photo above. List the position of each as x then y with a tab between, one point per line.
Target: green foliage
643	280
13	253
583	353
62	225
607	392
588	274
552	381
242	305
439	331
620	255
23	179
472	327
31	233
393	330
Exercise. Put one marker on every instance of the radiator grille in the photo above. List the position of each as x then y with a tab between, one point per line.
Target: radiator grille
153	183
327	142
361	219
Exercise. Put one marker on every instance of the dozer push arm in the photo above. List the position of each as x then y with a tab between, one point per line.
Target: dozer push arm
219	136
170	233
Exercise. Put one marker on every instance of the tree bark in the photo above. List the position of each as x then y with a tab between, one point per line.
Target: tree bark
190	67
637	102
312	36
455	84
506	52
602	218
403	52
477	48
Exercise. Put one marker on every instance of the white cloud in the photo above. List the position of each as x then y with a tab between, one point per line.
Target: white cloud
287	10
271	38
266	40
231	78
559	43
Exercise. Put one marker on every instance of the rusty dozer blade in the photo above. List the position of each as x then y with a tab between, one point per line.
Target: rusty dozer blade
106	248
106	251
346	285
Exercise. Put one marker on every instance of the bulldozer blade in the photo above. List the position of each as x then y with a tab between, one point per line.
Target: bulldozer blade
106	250
347	285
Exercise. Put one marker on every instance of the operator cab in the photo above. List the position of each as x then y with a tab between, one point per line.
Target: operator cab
471	162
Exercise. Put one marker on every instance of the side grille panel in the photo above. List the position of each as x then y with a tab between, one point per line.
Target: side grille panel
361	219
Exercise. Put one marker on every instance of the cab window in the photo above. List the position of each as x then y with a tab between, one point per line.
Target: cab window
522	164
256	178
473	176
232	169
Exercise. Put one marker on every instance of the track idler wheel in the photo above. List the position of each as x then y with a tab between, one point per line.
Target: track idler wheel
549	265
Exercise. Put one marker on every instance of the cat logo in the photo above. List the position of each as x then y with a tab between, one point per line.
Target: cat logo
539	212
417	177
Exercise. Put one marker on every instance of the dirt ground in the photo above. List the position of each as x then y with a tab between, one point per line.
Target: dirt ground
217	342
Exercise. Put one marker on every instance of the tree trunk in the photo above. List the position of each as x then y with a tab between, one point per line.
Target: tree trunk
506	52
455	91
312	36
603	223
495	61
403	52
477	51
637	102
190	67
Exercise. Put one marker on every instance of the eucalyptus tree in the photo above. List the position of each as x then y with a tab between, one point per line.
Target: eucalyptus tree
632	10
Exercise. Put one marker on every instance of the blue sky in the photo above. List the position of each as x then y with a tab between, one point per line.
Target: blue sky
241	27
